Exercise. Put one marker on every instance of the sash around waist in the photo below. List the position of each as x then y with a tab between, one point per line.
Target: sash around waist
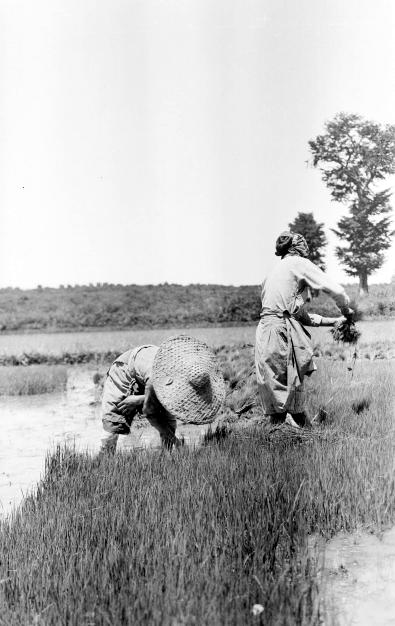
284	315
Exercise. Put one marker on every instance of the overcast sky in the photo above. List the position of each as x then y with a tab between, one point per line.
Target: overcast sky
166	140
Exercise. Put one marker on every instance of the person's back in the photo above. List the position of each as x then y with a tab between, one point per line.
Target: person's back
281	286
282	289
139	362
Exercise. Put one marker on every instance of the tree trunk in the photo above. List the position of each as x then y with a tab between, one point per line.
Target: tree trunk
363	284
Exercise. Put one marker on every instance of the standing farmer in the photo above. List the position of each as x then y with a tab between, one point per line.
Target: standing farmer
283	350
180	379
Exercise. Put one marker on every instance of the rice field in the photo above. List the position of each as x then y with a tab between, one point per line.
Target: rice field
32	380
202	535
377	341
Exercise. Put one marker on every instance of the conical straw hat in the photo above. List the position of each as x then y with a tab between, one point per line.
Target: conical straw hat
187	380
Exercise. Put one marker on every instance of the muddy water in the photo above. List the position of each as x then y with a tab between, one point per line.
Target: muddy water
31	426
358	579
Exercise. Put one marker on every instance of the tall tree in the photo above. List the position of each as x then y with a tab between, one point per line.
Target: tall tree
306	225
354	155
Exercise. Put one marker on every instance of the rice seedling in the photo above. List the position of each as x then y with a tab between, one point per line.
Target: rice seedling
221	432
360	405
204	535
346	332
321	416
89	346
36	379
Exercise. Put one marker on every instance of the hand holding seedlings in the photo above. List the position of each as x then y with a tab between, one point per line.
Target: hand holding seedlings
345	331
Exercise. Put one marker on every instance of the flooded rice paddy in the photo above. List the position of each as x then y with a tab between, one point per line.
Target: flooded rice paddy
33	425
55	343
358	570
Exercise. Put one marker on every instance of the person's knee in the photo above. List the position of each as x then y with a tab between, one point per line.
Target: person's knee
115	428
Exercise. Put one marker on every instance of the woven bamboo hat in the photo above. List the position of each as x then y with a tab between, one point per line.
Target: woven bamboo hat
187	380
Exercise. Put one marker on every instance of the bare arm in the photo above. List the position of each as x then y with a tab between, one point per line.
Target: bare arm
131	403
308	319
313	319
331	321
317	279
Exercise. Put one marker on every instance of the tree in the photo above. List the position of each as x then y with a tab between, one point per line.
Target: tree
354	155
313	232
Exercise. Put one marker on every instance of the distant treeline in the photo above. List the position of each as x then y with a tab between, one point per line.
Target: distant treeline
156	306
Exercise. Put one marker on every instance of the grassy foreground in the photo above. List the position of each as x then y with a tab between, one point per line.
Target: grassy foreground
201	535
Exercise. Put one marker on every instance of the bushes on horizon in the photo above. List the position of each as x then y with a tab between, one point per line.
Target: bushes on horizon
155	306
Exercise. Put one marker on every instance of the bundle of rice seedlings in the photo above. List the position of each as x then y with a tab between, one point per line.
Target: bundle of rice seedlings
276	434
360	405
221	432
320	417
345	332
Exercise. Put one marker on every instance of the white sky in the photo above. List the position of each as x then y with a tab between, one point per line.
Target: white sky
166	140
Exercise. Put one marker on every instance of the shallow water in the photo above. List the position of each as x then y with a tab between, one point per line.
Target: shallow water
33	425
120	340
359	579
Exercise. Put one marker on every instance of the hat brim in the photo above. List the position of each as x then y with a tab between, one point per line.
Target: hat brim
171	380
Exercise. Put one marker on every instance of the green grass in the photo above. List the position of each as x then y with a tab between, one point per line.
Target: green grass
35	379
200	535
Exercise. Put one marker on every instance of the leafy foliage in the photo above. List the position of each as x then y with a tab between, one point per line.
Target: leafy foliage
313	231
354	155
366	234
155	306
126	306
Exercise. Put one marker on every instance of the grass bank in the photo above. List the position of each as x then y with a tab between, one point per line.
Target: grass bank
27	381
201	535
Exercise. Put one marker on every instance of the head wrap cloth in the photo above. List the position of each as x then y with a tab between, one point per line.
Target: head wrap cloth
292	244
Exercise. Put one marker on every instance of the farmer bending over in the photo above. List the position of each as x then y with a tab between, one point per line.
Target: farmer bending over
180	379
283	351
